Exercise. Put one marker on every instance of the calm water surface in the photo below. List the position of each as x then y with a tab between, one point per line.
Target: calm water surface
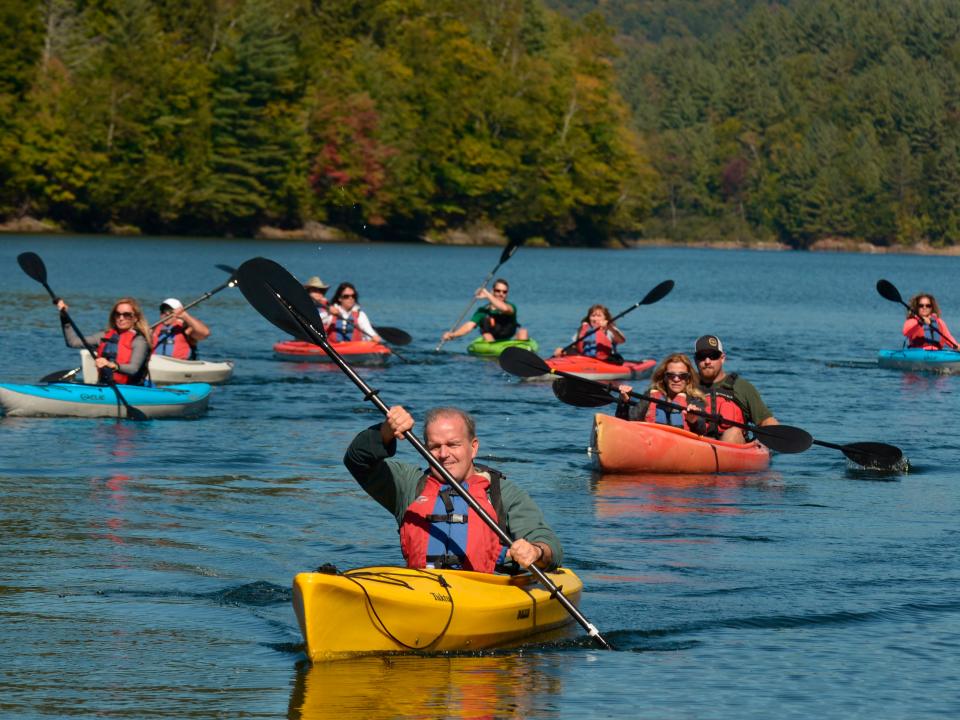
146	567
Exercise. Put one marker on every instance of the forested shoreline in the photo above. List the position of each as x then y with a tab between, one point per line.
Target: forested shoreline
752	122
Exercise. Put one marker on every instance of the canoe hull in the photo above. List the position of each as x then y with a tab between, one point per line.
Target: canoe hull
361	352
482	348
171	371
919	360
94	401
621	446
593	369
395	609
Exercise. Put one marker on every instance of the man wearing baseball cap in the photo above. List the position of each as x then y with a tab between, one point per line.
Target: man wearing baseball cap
178	332
715	383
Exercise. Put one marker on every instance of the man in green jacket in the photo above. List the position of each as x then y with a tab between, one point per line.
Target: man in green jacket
437	529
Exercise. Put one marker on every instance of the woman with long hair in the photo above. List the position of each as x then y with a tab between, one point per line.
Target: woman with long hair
597	336
924	328
347	321
123	349
676	381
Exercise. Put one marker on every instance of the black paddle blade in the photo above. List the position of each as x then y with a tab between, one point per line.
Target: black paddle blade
888	291
33	266
509	250
581	394
60	376
280	298
227	269
522	363
873	455
394	336
658	293
784	438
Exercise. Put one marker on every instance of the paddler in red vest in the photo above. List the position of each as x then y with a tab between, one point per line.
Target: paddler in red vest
924	328
720	388
347	322
497	319
437	527
179	332
601	344
122	349
674	380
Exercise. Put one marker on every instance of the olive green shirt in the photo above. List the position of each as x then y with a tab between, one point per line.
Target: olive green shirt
394	485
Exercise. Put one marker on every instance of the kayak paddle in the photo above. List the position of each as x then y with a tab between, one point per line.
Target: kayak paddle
889	291
394	336
655	295
32	265
281	299
65	375
507	253
581	392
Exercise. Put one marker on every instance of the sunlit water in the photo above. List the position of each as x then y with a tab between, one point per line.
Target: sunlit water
146	567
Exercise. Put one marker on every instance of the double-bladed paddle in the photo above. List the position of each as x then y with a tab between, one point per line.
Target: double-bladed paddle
586	393
655	295
32	265
65	375
507	253
889	291
276	294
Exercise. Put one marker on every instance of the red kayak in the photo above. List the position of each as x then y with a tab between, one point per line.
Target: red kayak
593	369
360	352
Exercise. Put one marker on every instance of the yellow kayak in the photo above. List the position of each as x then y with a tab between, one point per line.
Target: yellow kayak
395	609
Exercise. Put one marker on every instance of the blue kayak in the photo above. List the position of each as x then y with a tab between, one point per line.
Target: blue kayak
917	359
76	400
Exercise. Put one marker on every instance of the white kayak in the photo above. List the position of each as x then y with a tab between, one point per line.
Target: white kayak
171	371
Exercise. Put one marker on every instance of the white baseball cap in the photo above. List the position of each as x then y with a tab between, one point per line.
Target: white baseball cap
171	303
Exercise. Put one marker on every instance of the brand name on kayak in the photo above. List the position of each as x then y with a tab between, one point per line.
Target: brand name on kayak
440	598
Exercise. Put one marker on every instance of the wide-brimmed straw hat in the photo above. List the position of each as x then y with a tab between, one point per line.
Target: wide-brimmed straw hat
316	282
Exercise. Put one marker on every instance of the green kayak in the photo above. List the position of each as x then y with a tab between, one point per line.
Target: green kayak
483	348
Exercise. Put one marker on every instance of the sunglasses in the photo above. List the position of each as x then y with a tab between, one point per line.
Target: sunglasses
677	376
347	295
712	355
929	305
499	292
128	315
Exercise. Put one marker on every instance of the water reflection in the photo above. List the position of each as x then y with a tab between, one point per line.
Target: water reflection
418	686
645	494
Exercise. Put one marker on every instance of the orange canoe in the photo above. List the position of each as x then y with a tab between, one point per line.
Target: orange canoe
621	446
359	352
600	370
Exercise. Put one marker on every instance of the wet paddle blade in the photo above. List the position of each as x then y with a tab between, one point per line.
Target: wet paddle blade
33	266
581	394
784	438
59	376
269	288
394	336
873	455
509	250
522	363
658	293
888	291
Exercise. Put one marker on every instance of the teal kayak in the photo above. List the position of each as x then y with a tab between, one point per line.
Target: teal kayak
76	400
918	359
483	348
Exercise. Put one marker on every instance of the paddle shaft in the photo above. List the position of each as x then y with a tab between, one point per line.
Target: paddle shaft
374	397
506	255
206	296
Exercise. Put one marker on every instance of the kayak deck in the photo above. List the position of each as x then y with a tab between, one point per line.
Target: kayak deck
358	352
396	609
78	400
920	360
165	370
622	446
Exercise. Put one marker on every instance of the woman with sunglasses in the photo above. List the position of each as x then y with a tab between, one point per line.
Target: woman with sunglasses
123	349
348	323
674	380
597	336
924	328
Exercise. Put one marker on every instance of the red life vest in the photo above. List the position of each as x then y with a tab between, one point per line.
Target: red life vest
345	329
172	340
118	348
923	335
599	345
664	415
483	545
720	401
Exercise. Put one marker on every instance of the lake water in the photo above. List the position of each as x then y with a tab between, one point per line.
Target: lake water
146	567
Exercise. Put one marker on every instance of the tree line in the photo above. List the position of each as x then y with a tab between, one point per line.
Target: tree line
399	120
